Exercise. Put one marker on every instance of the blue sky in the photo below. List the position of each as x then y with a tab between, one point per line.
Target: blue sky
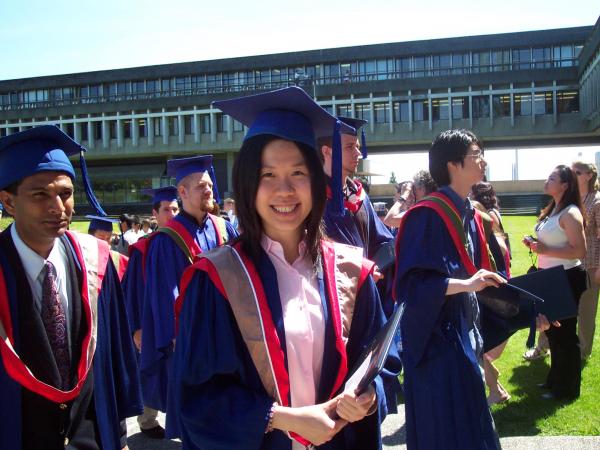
38	37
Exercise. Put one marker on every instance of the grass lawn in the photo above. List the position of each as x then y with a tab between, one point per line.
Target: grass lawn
526	413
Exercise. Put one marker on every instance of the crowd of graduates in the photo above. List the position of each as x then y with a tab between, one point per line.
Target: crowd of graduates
243	325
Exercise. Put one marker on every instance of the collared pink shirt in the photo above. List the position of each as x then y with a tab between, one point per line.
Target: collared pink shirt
302	319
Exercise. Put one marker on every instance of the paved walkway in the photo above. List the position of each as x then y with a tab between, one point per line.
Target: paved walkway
394	439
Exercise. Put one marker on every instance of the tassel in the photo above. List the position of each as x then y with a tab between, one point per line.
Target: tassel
336	171
215	188
87	186
363	144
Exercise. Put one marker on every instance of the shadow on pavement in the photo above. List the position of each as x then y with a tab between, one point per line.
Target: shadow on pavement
140	442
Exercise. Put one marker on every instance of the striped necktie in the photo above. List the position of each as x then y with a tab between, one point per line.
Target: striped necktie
55	322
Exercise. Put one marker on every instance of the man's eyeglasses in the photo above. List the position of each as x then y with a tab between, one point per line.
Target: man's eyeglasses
477	155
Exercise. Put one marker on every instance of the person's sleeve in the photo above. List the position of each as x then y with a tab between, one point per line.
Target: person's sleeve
133	289
423	267
117	393
379	234
231	230
214	406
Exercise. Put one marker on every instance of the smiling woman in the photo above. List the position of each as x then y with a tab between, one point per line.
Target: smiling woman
270	324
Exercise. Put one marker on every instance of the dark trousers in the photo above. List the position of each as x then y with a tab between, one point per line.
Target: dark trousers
564	378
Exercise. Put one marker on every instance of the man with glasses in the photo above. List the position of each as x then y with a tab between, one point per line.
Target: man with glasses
442	260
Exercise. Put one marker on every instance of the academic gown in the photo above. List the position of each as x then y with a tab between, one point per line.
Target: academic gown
111	392
133	285
165	263
219	400
443	386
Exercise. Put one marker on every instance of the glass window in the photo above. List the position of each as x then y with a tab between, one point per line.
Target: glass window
157	126
400	111
346	72
522	104
566	56
578	49
221	125
137	87
500	60
460	108
205	124
501	105
165	86
460	63
152	86
331	73
97	130
439	109
188	124
521	59
363	111
543	103
70	129
403	67
83	130
420	110
237	126
541	57
213	82
127	129
173	126
567	102
381	113
344	110
112	129
142	128
422	66
198	84
441	64
481	106
481	62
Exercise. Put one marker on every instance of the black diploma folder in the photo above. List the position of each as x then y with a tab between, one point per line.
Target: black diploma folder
371	362
553	286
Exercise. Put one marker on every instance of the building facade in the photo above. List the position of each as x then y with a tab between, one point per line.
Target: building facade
531	88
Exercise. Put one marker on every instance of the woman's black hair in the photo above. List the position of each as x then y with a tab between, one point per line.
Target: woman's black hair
246	180
484	193
570	196
449	146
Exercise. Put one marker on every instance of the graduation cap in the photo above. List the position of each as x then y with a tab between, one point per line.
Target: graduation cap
288	113
165	193
101	223
182	167
40	149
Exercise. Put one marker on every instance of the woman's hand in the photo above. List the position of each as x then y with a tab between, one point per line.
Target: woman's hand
318	423
482	279
353	408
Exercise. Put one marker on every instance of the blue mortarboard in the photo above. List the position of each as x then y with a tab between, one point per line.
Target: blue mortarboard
40	149
288	113
357	124
101	223
182	167
165	193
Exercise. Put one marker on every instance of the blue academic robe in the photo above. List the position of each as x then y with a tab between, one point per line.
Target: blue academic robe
444	390
165	263
219	400
116	388
133	288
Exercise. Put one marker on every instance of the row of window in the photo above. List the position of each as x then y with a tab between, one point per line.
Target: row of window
336	73
441	109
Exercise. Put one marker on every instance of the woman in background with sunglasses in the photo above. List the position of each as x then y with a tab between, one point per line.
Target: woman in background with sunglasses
587	181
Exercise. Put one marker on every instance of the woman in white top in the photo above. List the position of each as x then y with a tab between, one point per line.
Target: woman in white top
561	241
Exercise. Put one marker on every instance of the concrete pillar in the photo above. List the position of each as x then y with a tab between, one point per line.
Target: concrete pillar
135	130
554	104
119	130
471	106
90	129
76	130
371	114
230	160
532	103
61	124
491	100
391	110
430	109
105	133
450	109
410	110
213	127
196	126
181	126
229	124
150	125
512	106
164	123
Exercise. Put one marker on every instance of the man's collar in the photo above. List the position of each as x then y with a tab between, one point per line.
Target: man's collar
184	214
462	204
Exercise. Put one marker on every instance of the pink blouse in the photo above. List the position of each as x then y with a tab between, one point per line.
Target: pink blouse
302	319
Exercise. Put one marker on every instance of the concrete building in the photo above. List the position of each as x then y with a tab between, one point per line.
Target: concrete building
530	88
